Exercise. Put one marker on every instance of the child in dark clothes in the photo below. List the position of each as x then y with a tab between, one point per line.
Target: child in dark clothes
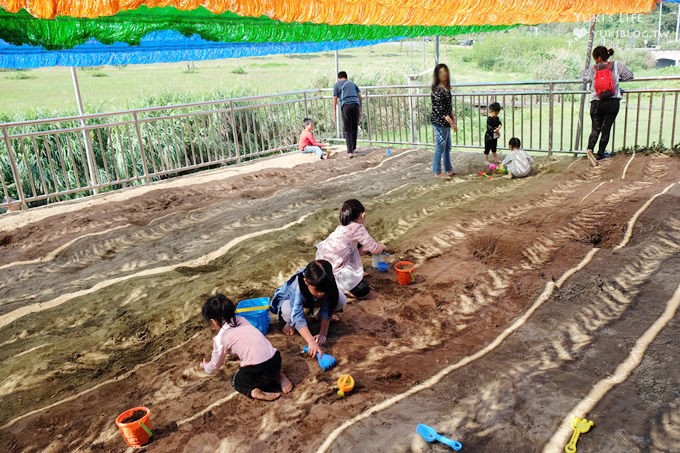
493	131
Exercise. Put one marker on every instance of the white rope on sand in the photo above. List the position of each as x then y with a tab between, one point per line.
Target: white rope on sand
207	409
547	292
625	169
631	222
592	191
196	262
599	390
53	254
101	384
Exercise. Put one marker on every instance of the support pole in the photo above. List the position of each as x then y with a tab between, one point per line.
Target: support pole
658	32
436	50
677	25
89	155
589	51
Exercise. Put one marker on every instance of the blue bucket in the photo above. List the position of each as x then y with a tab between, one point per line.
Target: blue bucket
256	311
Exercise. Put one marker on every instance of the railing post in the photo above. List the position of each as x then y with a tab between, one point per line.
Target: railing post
142	154
15	170
89	154
233	129
411	111
551	104
306	109
368	119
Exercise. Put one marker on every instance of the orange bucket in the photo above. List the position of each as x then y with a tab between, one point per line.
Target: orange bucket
405	272
136	432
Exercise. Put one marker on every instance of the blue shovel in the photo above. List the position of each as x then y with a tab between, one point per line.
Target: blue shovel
326	361
430	435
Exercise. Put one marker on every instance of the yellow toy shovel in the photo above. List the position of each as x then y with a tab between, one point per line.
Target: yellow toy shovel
580	426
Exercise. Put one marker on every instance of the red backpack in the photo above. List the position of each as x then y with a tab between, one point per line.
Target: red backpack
603	82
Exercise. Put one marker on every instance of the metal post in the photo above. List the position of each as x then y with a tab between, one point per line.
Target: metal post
306	108
89	155
436	50
411	110
677	25
15	170
550	119
234	131
142	154
658	33
368	118
589	50
338	109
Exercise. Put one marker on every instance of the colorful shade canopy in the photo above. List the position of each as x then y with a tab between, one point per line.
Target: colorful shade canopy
366	12
37	33
131	26
157	47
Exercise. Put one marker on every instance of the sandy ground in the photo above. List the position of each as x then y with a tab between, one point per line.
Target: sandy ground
99	310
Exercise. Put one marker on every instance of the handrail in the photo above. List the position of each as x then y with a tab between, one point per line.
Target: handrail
92	116
42	160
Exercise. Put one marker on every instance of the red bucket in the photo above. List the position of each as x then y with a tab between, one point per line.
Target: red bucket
137	432
405	272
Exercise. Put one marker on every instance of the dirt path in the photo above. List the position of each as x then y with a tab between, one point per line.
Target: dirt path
125	289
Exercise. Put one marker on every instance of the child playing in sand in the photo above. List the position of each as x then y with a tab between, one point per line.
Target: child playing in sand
312	288
344	246
518	163
308	143
493	131
260	375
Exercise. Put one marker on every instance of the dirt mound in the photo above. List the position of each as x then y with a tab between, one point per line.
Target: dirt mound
125	283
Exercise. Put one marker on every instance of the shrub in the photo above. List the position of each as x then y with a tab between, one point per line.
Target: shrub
238	70
638	59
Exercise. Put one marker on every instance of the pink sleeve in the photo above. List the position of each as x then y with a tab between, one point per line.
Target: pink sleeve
219	353
367	242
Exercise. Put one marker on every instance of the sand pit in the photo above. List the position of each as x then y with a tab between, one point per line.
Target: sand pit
534	300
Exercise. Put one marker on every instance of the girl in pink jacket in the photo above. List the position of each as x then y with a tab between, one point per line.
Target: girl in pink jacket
344	246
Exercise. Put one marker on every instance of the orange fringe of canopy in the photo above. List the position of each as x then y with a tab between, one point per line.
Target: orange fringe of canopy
366	12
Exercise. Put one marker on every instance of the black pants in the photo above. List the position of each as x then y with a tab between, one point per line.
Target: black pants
603	114
263	376
361	290
350	121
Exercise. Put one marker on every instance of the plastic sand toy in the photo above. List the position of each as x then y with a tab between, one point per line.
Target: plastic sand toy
580	426
430	435
326	361
345	385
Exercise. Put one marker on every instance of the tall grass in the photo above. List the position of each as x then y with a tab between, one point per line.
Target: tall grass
173	141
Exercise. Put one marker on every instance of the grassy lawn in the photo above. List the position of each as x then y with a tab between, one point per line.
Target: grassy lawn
114	88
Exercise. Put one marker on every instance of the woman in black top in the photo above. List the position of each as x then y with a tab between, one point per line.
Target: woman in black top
443	119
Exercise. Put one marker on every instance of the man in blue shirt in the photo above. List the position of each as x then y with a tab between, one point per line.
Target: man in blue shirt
350	104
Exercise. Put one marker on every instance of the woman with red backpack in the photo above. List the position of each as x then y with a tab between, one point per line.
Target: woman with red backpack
606	98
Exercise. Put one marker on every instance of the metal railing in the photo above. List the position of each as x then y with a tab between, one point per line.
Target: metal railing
54	159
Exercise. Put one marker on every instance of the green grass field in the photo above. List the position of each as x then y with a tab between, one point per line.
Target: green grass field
115	88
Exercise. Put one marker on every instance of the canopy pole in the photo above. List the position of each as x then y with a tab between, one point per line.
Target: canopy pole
589	50
89	155
436	50
677	25
658	32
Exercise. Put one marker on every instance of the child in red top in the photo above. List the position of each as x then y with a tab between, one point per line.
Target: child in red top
308	143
